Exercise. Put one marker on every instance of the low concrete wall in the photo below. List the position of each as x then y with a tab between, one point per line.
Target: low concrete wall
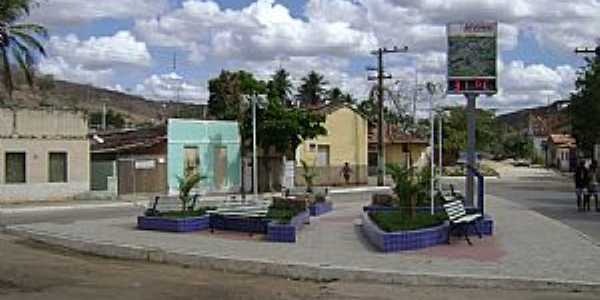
34	192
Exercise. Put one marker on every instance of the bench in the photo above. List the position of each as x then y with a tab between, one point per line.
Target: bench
459	219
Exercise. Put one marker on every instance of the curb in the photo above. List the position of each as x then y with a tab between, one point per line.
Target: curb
30	209
323	273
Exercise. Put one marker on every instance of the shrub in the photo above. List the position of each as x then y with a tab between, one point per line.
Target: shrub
392	221
383	200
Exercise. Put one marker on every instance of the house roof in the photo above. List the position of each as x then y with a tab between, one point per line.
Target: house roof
395	135
562	140
127	140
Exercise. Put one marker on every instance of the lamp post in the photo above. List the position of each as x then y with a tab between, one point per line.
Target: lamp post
254	155
431	88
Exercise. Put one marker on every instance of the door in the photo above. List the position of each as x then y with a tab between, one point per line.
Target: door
191	161
220	167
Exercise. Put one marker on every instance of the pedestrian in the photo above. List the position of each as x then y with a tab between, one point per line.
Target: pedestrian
581	183
593	189
346	172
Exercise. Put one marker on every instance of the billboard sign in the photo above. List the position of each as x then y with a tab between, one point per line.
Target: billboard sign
472	52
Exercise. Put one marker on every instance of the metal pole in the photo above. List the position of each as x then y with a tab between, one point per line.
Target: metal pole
103	116
432	143
441	150
254	155
471	142
380	141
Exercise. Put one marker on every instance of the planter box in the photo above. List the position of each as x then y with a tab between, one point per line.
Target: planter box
173	225
242	224
320	208
286	233
403	240
485	226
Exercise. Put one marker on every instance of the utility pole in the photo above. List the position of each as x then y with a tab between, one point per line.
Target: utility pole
380	77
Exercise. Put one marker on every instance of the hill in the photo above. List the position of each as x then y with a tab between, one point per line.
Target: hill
134	109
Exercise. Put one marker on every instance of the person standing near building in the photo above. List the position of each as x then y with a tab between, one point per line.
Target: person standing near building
346	173
581	183
593	189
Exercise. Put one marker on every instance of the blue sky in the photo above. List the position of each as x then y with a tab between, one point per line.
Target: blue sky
129	45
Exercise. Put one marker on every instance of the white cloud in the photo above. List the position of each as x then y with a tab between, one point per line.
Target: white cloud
171	86
58	13
63	70
261	31
102	52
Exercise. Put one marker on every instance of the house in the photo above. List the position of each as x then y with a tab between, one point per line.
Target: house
129	161
210	148
345	142
150	160
400	148
44	154
561	152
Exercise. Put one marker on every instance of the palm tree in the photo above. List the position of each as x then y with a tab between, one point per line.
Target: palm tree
335	95
311	91
19	43
280	87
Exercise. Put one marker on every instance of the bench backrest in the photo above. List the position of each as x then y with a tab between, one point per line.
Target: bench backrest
455	210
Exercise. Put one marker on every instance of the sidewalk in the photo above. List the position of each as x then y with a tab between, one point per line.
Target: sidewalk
528	251
143	200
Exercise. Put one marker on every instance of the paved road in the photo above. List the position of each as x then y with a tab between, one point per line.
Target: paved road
547	193
67	216
33	271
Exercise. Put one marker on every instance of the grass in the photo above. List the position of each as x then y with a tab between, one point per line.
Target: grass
281	215
399	221
183	214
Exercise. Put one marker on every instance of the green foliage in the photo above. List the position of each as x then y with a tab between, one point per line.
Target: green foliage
455	132
311	91
279	88
185	187
281	215
585	107
407	186
183	214
309	175
515	145
392	221
20	44
226	94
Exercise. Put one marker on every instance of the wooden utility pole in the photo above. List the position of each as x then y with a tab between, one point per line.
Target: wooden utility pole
380	77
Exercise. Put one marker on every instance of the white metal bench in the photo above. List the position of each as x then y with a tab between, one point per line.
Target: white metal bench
458	217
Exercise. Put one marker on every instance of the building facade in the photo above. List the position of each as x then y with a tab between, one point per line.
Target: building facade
345	142
44	154
209	148
562	152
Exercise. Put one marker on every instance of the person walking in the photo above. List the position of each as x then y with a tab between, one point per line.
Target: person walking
593	189
581	183
346	172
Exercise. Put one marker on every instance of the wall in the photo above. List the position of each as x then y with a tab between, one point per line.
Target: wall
207	136
42	123
394	153
347	141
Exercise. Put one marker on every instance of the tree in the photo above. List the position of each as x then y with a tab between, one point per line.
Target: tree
335	95
19	42
585	107
280	87
114	120
455	132
311	91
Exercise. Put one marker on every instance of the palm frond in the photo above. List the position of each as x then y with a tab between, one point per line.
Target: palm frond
8	80
24	61
34	28
30	41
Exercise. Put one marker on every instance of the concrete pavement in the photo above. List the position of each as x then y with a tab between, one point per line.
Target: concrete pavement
528	251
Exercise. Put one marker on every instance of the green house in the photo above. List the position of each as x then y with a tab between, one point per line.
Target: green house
210	148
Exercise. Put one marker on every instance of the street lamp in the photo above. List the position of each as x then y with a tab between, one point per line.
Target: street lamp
255	100
432	88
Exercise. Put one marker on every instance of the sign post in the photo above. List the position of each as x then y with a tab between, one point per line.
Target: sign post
472	71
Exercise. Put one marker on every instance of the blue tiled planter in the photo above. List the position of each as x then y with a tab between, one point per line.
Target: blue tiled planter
379	208
242	224
173	225
403	240
320	208
485	226
286	233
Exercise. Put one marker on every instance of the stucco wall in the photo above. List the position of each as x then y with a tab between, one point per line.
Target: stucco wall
37	186
346	138
394	153
207	136
42	123
347	141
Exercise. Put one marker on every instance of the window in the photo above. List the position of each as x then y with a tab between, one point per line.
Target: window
15	167
323	156
57	167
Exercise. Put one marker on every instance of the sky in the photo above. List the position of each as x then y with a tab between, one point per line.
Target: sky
130	45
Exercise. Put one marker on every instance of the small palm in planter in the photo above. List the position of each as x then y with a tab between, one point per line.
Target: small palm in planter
407	187
308	175
186	184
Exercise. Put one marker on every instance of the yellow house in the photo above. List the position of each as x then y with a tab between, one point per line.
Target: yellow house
346	142
400	148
